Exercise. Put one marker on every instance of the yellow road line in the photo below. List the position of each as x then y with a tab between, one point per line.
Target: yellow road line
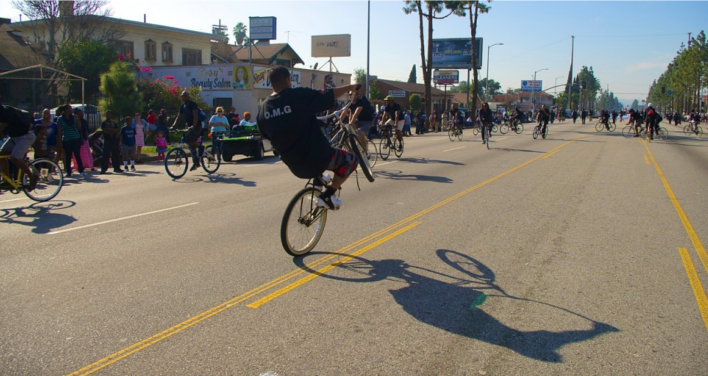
550	154
686	223
646	159
124	353
327	268
698	291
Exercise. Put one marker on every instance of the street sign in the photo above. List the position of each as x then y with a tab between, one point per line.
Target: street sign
446	77
397	93
531	85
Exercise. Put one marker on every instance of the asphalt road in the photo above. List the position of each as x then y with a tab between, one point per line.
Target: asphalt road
579	254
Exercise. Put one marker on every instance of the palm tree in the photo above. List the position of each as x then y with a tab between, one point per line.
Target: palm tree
240	33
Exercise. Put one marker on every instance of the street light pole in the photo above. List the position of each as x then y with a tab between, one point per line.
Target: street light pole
486	86
555	90
533	90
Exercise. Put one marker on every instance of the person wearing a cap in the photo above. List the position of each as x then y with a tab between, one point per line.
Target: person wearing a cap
246	122
393	116
189	116
288	119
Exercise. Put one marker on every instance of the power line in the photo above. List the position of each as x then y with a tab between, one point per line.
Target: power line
631	36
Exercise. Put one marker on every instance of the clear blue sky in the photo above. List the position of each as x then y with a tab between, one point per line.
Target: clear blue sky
628	44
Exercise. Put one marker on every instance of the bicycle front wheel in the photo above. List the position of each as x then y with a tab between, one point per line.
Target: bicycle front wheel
687	130
49	182
599	127
384	149
459	134
355	147
451	133
613	127
475	130
210	160
176	163
488	133
536	131
398	147
519	128
663	133
503	129
371	153
303	223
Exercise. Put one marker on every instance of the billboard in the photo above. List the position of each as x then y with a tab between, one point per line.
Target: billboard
332	45
446	77
456	53
261	81
531	85
261	28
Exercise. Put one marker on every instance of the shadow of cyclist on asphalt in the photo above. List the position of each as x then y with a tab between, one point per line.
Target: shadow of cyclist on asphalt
455	303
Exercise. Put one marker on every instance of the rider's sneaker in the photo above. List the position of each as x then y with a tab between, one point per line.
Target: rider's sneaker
327	178
194	167
331	202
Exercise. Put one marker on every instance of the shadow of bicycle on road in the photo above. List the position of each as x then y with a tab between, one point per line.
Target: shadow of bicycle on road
399	175
454	303
41	216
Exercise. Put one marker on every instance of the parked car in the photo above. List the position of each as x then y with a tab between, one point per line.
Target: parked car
91	113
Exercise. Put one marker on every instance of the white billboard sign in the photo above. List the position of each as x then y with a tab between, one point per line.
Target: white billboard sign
446	77
397	93
332	45
262	28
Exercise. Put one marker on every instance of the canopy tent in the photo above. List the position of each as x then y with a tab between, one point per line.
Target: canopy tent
42	69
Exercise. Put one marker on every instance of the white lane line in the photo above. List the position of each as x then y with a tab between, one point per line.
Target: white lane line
384	164
120	219
462	147
14	199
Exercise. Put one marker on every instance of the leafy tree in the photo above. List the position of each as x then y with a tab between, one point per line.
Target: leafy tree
120	90
69	20
433	9
494	87
166	93
88	59
374	92
635	105
415	102
240	33
412	76
359	76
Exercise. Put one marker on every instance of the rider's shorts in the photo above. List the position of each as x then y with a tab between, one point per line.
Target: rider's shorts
399	125
363	126
19	145
342	163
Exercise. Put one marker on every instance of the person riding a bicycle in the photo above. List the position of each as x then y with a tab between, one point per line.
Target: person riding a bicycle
288	119
189	117
455	117
543	117
17	125
605	119
393	116
650	116
517	117
487	118
362	115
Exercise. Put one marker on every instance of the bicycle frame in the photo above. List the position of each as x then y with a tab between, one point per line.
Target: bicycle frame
14	183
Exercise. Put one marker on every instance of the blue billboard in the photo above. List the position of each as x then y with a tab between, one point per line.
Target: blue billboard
456	53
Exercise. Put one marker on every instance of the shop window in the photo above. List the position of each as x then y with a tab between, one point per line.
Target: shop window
122	47
191	57
150	50
167	52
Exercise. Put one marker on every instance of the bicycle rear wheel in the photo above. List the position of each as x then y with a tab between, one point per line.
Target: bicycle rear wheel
503	129
398	147
475	130
628	131
599	127
459	134
355	147
384	149
176	163
303	223
519	128
544	134
487	132
210	160
49	183
613	127
699	131
687	130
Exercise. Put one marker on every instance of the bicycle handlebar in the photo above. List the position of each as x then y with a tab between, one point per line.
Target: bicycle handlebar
335	113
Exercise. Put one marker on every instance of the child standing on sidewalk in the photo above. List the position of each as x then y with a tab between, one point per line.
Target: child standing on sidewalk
127	138
160	146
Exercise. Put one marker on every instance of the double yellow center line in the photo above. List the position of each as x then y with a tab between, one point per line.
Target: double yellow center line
126	352
698	291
